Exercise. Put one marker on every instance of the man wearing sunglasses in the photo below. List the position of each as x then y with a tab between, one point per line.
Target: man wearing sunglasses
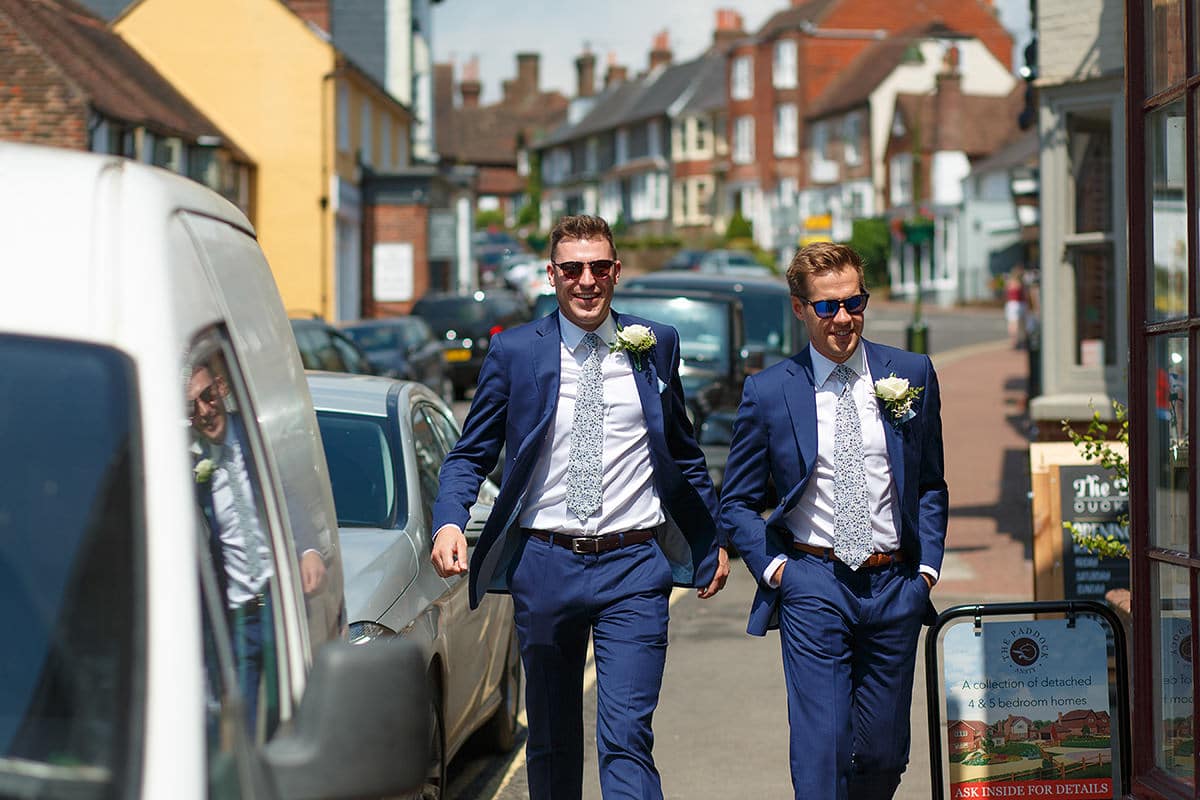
846	561
605	503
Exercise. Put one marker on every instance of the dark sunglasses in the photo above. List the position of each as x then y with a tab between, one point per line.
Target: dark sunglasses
825	309
209	397
573	270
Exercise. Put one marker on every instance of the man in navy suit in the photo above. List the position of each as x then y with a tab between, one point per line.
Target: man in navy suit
846	561
605	503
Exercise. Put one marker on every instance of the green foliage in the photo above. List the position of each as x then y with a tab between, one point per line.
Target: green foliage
871	239
620	225
647	242
537	242
1096	446
739	228
489	219
529	215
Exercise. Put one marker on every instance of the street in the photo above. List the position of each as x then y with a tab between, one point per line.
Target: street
721	726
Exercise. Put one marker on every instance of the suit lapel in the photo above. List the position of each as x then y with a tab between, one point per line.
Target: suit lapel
546	359
881	367
801	399
646	380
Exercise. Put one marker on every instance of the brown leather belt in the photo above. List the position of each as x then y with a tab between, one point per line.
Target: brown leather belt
873	560
593	544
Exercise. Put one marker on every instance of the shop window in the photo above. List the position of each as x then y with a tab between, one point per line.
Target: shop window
1090	245
1166	52
1168	443
1166	139
1171	621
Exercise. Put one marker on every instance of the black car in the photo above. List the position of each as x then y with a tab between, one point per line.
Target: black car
466	324
712	365
771	330
404	348
324	347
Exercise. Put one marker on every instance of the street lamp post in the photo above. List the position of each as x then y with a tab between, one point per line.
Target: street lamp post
918	231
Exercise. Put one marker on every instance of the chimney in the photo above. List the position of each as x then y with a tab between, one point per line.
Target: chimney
469	87
615	73
314	11
527	75
443	88
728	30
948	103
585	69
660	54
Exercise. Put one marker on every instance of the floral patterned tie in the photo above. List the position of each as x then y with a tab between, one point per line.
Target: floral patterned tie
851	519
584	478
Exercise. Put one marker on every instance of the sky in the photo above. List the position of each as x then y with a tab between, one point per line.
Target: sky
496	30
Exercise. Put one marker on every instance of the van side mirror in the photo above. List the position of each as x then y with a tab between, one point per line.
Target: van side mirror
363	725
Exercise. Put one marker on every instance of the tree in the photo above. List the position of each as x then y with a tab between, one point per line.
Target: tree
871	239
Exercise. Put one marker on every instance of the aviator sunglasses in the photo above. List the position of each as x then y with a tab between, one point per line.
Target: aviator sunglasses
826	309
573	270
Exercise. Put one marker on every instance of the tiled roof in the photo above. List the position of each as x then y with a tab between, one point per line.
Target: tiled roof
1021	151
707	92
987	123
110	74
795	17
853	85
489	134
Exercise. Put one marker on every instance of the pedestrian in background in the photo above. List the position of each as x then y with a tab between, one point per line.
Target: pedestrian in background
850	430
1015	305
604	504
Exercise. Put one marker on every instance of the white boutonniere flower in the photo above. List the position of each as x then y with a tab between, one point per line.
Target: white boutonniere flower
636	340
203	470
897	397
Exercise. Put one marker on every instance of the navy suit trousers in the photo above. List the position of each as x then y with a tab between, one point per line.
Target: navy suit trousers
621	599
849	642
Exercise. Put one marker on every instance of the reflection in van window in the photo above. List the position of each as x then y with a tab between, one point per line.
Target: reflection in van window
239	541
70	569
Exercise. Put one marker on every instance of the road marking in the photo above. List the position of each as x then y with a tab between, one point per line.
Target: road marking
589	680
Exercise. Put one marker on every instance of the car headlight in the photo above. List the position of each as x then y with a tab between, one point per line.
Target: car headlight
365	632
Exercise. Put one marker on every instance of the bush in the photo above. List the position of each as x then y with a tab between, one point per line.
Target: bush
871	239
739	228
489	219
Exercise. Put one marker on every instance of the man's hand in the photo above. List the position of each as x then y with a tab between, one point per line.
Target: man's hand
312	571
778	576
718	581
928	580
449	556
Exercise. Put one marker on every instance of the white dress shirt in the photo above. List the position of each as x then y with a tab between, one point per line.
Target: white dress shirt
811	519
243	538
629	500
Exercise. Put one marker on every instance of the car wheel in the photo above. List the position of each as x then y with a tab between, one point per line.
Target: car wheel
434	787
501	730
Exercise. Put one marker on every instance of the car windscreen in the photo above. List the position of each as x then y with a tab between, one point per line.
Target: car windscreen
71	530
375	338
368	481
703	326
464	315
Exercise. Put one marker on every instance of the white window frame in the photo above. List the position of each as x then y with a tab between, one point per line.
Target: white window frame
787	133
851	138
743	139
783	68
741	80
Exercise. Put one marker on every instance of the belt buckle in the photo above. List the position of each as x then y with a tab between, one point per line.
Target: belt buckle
579	545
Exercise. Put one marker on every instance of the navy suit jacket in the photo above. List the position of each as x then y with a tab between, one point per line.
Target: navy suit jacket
779	439
514	404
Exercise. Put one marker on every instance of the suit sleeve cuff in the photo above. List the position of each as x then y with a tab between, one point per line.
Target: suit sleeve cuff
768	576
930	571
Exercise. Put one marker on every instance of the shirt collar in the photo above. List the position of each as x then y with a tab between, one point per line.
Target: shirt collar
823	367
572	334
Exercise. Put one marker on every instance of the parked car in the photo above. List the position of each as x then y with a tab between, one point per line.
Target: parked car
467	323
711	369
684	260
405	348
160	434
384	443
771	331
324	347
732	262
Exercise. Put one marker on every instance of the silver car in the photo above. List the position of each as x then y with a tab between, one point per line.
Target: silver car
384	443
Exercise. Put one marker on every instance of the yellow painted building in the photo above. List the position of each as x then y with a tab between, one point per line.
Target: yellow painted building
306	115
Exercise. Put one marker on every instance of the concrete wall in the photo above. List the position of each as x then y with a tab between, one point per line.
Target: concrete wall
1079	40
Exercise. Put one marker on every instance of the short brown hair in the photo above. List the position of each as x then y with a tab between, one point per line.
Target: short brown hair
583	227
822	258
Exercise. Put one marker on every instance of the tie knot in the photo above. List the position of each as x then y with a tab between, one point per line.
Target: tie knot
591	340
844	374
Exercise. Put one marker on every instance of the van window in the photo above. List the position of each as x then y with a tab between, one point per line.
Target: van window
228	485
71	570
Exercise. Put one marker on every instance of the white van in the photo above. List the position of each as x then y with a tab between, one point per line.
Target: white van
169	560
